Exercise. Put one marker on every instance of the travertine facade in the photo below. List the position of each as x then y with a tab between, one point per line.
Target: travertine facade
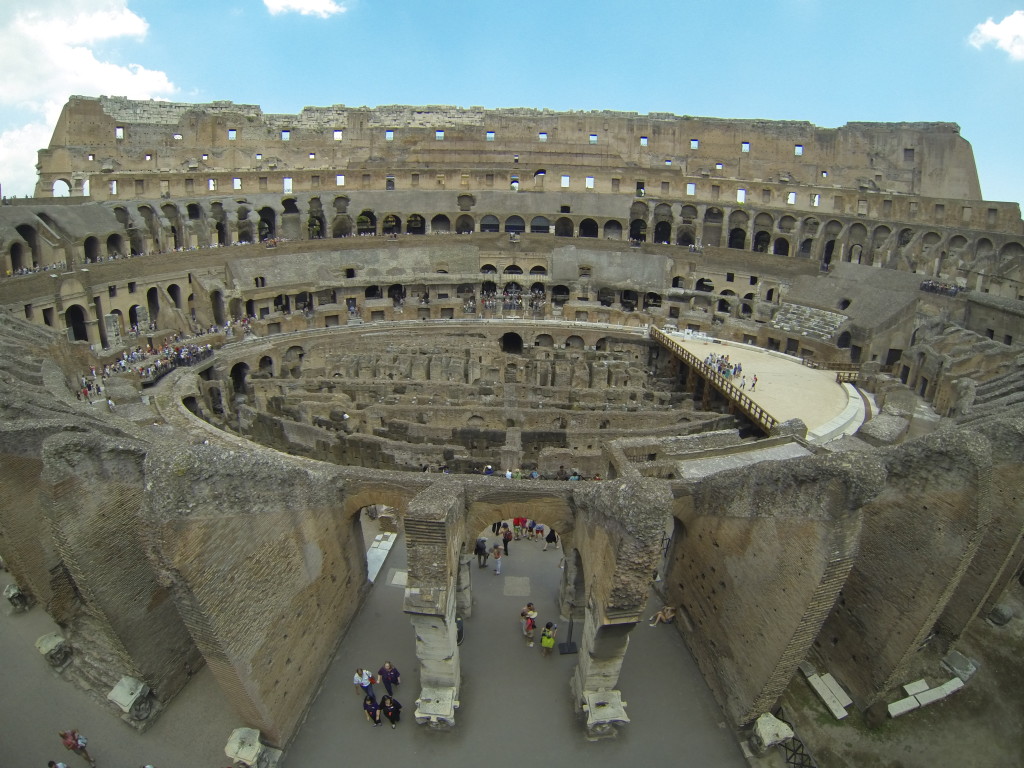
221	516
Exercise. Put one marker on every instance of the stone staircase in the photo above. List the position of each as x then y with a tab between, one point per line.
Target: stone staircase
798	320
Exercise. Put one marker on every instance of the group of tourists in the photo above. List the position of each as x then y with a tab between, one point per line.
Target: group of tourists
936	286
528	623
521	528
730	370
388	706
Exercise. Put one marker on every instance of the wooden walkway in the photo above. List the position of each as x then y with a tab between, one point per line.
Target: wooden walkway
738	399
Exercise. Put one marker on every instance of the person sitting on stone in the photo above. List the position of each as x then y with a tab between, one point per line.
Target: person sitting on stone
666	615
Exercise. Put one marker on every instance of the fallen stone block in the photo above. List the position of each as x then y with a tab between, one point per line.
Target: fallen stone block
903	706
916	687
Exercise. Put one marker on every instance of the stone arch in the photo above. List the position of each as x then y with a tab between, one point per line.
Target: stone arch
515	225
217	307
391	225
366	223
638	230
61	188
612	230
465	225
781	247
539	225
713	218
29	235
563	227
341	226
574	342
762	240
588	228
266	366
663	232
91	248
291	361
115	245
490	223
544	340
267	223
440	224
416	225
75	318
511	343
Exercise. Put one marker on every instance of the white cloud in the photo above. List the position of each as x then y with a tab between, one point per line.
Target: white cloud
321	8
47	56
1007	34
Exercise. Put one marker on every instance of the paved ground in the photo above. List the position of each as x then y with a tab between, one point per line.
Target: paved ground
515	703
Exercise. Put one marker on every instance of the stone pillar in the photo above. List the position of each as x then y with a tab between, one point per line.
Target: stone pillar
602	649
464	588
92	332
434	531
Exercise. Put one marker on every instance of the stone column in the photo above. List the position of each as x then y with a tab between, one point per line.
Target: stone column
435	530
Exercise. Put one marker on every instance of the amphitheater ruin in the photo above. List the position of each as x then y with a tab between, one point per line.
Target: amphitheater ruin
380	303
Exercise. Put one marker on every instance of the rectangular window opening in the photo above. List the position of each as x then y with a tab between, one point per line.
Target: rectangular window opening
338	134
798	149
119	132
259	155
542	136
666	186
589	183
565	181
211	184
339	180
490	135
719	166
236	183
389	135
694	143
232	134
286	135
176	136
791	198
149	157
908	155
824	174
741	195
264	180
643	141
113	186
593	138
439	135
286	185
745	146
691	188
312	155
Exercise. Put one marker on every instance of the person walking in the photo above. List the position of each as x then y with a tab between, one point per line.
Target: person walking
547	638
496	554
526	609
372	710
529	627
76	742
390	676
481	552
551	538
392	710
506	536
363	682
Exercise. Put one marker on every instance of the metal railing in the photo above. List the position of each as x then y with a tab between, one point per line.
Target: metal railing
734	394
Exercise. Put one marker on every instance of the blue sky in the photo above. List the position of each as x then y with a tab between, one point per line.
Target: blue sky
825	61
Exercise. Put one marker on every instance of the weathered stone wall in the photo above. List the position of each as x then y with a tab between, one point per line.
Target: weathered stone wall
266	571
756	565
919	535
95	487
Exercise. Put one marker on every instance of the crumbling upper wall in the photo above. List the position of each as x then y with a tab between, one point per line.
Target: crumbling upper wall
929	159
